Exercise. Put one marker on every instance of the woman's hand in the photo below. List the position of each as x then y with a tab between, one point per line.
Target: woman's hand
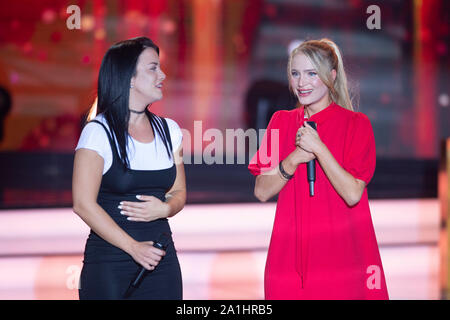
300	156
146	254
308	139
151	208
296	157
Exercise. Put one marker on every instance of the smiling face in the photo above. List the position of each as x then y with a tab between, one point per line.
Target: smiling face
306	84
147	82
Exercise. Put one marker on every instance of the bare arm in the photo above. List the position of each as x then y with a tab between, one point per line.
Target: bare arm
176	196
349	188
87	176
270	184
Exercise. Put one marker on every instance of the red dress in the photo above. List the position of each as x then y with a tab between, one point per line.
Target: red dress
321	248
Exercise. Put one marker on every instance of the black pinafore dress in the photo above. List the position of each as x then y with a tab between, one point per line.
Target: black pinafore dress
107	270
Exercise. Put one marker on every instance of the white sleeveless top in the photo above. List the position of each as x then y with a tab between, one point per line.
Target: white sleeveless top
142	156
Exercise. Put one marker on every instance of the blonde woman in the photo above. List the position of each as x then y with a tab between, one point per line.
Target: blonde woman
322	246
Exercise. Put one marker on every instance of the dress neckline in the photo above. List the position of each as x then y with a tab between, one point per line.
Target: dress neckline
142	143
320	116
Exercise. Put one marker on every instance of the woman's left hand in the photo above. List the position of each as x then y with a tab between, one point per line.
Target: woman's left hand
150	208
308	139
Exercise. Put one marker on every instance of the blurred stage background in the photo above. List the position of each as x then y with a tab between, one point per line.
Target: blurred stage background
225	62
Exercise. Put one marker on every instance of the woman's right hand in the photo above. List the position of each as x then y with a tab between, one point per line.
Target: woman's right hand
301	156
291	162
146	254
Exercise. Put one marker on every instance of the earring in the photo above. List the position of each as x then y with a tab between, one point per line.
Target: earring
131	86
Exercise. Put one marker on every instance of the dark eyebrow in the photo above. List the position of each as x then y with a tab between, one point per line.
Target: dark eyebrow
156	63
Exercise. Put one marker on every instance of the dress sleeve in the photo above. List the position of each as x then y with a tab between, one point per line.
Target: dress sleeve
94	137
267	156
360	153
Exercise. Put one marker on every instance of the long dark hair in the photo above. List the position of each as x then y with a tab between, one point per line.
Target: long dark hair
113	91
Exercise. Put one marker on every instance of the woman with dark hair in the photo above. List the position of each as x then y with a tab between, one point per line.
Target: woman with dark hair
128	179
323	244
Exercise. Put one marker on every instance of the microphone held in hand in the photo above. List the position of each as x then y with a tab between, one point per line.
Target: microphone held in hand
311	166
162	244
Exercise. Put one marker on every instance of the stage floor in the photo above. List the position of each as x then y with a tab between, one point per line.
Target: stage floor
221	247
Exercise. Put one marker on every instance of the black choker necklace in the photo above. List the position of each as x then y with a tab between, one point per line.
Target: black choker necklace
137	112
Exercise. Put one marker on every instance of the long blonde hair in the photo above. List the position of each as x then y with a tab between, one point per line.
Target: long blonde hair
326	56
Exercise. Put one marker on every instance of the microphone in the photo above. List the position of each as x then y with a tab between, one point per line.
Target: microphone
162	244
311	166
